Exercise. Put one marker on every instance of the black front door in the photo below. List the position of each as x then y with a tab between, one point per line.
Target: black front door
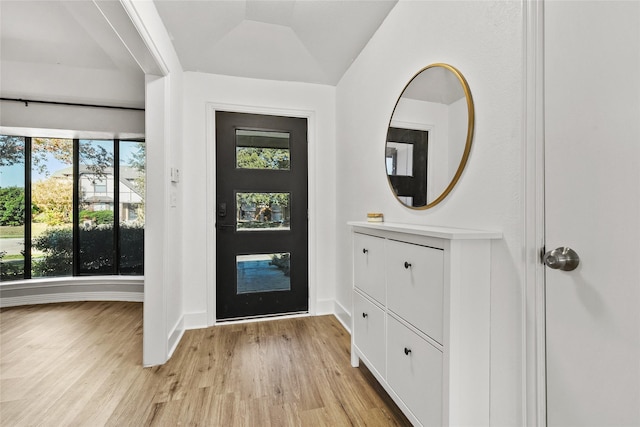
261	218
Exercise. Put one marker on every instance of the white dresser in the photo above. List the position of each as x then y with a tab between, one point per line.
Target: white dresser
420	318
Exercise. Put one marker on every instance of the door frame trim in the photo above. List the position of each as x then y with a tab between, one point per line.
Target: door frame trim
210	149
533	308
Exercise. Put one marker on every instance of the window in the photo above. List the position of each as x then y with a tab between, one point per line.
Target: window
263	211
12	207
262	150
86	204
100	187
51	183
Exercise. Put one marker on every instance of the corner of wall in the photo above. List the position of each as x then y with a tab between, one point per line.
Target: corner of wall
197	320
174	337
343	315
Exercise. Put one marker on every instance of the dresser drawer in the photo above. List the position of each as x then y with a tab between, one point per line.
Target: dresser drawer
368	265
369	331
415	276
414	371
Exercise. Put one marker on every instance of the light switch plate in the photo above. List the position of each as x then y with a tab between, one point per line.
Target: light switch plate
173	199
175	175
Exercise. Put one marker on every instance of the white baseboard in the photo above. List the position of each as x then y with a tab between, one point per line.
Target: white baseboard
343	316
175	336
71	289
325	306
195	320
198	320
71	297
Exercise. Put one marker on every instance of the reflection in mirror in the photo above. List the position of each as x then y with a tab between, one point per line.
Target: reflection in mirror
429	136
409	177
399	158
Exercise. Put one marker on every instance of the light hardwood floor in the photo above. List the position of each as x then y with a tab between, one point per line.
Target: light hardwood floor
80	364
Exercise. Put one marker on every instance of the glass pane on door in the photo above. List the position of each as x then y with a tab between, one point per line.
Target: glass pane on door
263	211
262	150
263	273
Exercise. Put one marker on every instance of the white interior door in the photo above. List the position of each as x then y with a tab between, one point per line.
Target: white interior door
592	203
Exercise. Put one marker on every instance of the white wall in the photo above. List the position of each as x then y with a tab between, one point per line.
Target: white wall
203	94
484	41
163	305
85	122
458	125
62	83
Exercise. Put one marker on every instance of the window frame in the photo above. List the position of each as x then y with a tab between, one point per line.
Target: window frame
28	188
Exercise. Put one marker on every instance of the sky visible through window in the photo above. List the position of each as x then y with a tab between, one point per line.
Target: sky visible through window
13	176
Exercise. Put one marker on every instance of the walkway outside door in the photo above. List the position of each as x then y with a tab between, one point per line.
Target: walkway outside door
261	218
592	191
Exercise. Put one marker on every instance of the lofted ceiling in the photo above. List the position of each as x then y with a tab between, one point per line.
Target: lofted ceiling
435	84
313	41
67	33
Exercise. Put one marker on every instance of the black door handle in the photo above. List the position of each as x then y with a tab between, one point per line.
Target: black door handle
222	210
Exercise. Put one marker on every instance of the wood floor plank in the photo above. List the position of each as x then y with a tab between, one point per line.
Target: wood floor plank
78	364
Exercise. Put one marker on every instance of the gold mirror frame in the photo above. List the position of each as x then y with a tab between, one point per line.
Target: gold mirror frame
469	138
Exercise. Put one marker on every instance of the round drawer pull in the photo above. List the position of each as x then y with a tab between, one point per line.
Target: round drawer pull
406	265
407	351
364	251
365	315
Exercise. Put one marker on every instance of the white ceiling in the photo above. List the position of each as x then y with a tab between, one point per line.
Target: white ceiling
435	84
313	41
68	33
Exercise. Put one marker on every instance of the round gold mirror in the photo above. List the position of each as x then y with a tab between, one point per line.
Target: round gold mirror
429	136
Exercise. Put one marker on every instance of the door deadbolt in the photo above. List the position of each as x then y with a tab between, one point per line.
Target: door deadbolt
222	210
562	258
